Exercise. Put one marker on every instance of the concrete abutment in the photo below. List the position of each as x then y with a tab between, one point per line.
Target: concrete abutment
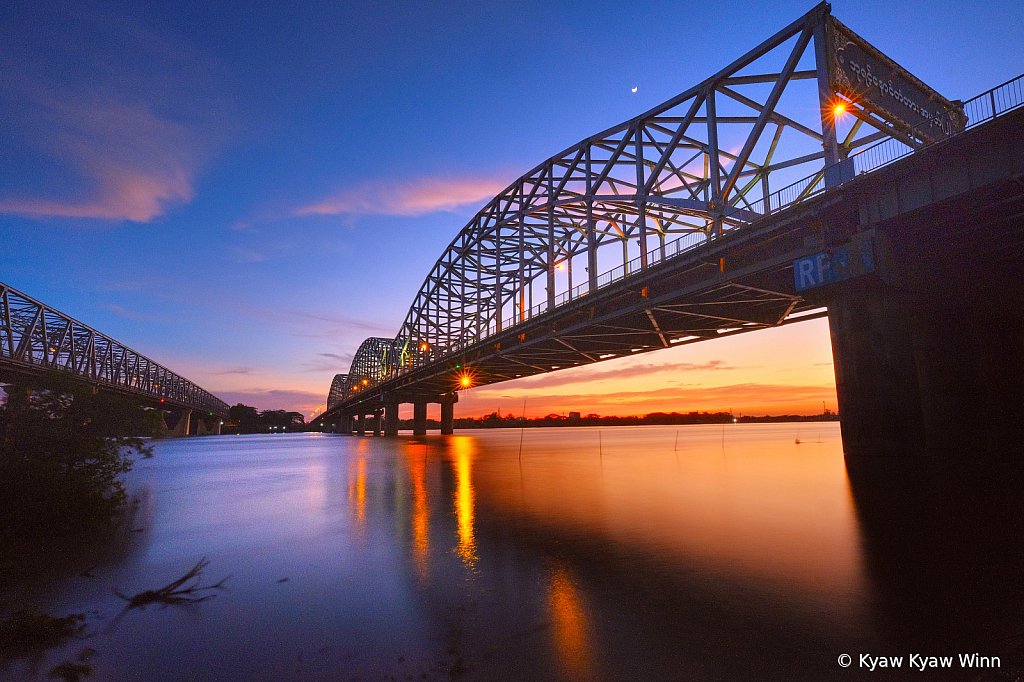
920	372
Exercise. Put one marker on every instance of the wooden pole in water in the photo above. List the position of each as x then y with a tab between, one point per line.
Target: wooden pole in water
522	426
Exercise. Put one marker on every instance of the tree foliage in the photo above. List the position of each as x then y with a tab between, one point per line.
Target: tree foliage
248	420
62	453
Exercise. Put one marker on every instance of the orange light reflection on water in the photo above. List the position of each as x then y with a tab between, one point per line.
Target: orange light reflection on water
462	448
569	622
357	488
744	501
420	512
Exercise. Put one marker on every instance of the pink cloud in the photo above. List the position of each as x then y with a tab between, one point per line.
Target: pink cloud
130	314
588	374
409	198
133	164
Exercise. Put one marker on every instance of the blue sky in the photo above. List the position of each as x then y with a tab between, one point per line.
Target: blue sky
245	191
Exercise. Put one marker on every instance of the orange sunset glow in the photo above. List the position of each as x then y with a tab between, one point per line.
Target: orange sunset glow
786	370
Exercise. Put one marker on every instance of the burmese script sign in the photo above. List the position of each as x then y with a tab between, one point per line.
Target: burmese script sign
864	75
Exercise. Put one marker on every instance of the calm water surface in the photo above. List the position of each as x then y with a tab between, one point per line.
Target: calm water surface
647	553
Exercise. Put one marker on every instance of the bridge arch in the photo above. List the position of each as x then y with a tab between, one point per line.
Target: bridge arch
759	135
338	390
374	362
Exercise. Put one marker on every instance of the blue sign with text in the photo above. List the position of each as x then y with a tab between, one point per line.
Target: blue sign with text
835	265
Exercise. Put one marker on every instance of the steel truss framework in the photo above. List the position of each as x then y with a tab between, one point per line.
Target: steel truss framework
690	171
374	362
338	390
35	337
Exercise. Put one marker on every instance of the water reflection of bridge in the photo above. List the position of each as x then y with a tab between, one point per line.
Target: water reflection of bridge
898	216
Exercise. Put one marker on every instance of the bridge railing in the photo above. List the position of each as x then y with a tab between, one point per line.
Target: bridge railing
986	106
34	336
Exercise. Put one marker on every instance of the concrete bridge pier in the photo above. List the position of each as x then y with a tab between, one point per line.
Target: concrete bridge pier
208	426
925	373
876	377
391	419
377	419
970	368
419	417
18	396
448	413
181	428
360	424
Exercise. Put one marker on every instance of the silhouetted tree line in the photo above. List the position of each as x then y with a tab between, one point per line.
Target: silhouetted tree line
498	421
246	419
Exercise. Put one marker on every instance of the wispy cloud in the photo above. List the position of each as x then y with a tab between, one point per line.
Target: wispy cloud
129	117
414	197
129	314
237	370
587	375
245	255
133	164
329	362
340	358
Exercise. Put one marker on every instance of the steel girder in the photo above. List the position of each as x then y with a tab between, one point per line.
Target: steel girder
690	171
36	338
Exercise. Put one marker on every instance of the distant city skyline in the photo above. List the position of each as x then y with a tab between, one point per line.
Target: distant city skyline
245	192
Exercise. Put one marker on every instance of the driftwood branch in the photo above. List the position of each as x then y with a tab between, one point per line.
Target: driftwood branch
184	590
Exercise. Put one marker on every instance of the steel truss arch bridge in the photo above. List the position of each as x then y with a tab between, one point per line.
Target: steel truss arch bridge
36	339
669	228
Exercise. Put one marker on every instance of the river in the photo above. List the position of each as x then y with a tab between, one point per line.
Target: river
736	552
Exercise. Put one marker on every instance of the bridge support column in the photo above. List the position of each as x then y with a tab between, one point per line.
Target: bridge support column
18	396
376	422
447	415
344	424
360	424
916	376
876	376
970	365
419	418
181	428
201	429
391	419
